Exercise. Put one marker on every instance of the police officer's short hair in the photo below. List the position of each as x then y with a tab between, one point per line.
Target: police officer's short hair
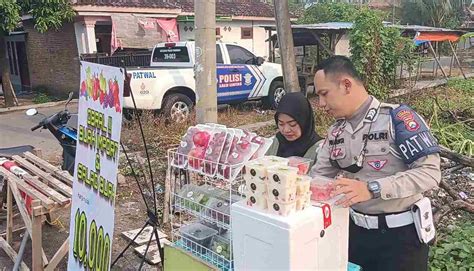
338	65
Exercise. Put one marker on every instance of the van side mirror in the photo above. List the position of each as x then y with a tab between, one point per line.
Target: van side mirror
259	61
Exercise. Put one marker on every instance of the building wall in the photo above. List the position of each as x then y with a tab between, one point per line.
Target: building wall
53	58
257	45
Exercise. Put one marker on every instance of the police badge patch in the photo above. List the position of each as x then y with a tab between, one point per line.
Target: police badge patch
408	119
412	137
377	164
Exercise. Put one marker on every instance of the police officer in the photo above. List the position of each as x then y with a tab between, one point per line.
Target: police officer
384	157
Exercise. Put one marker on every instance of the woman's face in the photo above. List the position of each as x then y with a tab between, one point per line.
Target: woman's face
288	127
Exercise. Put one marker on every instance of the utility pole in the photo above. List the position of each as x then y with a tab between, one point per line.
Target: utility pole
285	42
205	64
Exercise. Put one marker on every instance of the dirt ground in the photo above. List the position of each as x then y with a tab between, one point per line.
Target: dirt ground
129	214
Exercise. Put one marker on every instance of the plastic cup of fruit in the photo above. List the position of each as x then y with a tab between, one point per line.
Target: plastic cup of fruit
273	160
301	163
321	188
281	193
281	208
284	176
256	187
256	201
303	184
255	171
303	201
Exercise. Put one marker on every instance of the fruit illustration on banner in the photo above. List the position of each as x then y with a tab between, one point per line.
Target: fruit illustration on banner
116	99
83	88
97	87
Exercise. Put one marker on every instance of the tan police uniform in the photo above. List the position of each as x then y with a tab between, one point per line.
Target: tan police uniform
400	166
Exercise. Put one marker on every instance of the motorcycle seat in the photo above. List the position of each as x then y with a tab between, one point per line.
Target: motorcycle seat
18	150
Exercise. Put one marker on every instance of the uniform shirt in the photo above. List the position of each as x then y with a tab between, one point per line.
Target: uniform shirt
403	173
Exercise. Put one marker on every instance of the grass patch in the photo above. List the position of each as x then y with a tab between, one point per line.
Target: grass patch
454	249
42	98
449	111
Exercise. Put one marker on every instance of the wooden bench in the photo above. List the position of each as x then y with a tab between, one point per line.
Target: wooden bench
51	190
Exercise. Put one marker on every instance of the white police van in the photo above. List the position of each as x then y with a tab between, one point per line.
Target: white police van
168	86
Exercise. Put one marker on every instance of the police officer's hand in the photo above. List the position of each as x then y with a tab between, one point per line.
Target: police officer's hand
355	191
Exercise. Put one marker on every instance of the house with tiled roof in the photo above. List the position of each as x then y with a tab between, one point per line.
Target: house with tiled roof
109	29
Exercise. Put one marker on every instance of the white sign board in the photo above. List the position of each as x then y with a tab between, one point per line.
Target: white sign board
95	171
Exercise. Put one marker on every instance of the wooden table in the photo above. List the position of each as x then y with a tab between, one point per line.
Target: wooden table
50	189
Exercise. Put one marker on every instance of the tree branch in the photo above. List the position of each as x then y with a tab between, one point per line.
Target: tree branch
455	205
456	157
443	184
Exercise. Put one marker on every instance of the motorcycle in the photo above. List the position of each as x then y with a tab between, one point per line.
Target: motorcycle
57	124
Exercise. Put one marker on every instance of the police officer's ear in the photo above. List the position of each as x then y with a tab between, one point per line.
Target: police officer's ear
347	84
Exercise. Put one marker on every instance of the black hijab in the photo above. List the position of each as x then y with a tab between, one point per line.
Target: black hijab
297	106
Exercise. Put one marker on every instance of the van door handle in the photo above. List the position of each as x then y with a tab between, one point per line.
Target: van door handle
235	70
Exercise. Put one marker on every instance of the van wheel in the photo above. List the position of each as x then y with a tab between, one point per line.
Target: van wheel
177	107
276	92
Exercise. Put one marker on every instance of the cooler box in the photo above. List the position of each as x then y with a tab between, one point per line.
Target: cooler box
263	241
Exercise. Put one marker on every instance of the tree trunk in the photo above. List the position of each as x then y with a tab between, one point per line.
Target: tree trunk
285	41
5	72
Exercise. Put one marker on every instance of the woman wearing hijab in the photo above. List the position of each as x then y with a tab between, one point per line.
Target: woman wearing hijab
295	121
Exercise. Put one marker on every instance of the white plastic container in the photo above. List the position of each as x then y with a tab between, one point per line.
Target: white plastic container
256	187
255	171
263	241
282	175
273	161
281	193
303	201
281	208
302	185
257	201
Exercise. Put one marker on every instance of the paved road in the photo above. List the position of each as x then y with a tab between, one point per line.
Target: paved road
15	129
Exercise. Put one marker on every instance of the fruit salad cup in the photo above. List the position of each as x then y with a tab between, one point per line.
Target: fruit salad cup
303	201
301	163
283	176
255	171
282	193
321	188
303	185
281	208
257	201
273	161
